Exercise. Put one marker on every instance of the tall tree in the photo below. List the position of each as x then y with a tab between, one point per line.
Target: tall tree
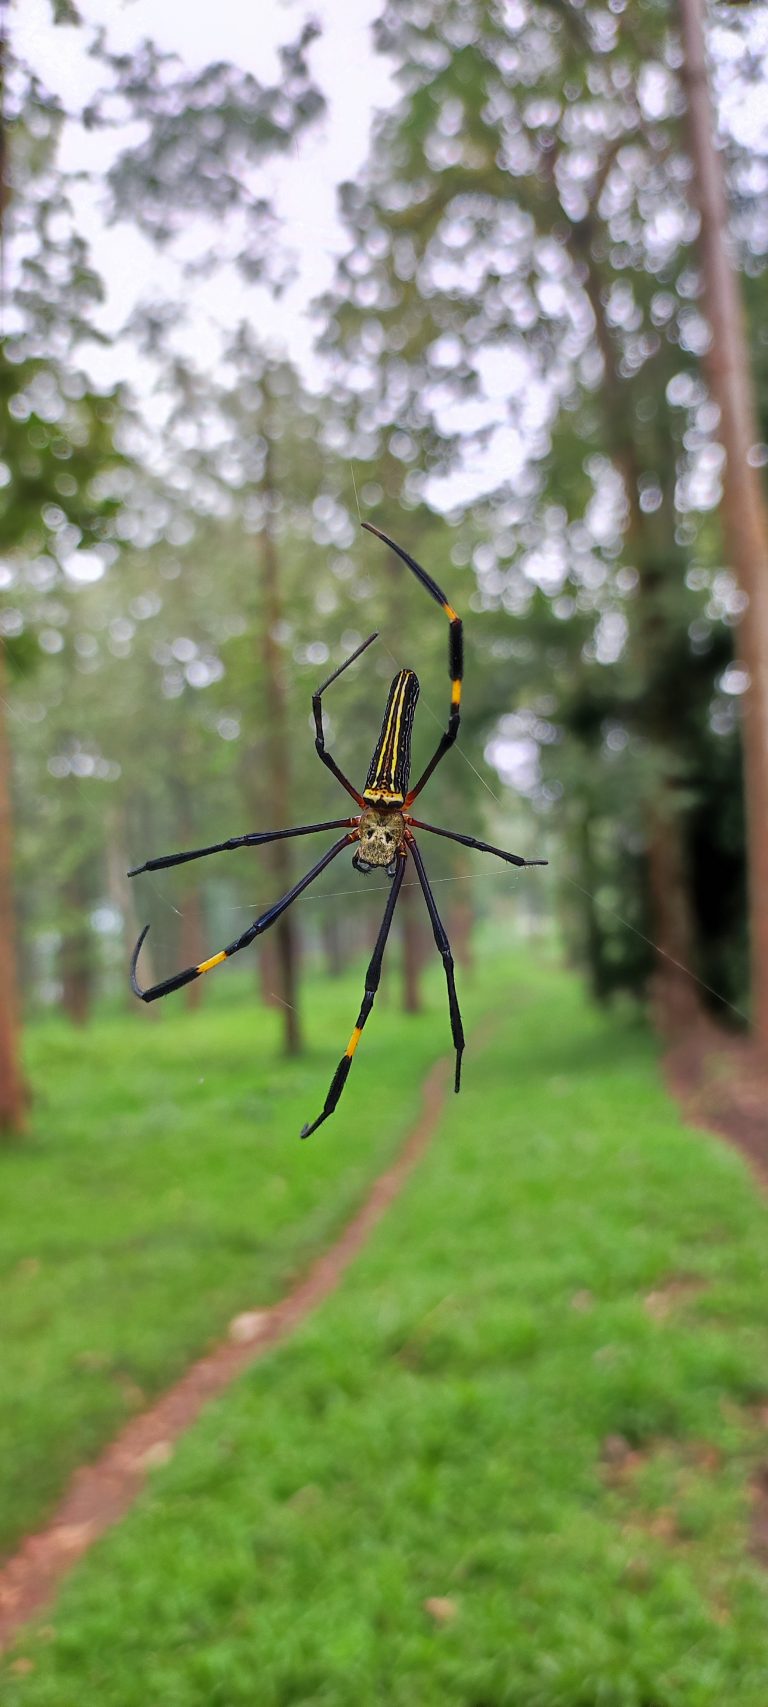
12	1096
277	738
745	512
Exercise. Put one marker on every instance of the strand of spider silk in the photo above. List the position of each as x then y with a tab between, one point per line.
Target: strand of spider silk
354	483
603	905
657	950
164	898
370	889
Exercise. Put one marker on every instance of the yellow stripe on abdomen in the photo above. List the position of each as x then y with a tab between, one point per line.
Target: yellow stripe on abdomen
388	771
386	767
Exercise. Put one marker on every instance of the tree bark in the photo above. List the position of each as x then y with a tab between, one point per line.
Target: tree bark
268	970
674	992
334	944
460	913
12	1090
744	510
278	768
593	945
76	953
192	943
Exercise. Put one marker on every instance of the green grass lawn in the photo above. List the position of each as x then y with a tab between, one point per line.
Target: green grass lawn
163	1188
507	1464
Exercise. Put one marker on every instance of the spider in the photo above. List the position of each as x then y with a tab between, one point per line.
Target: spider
383	828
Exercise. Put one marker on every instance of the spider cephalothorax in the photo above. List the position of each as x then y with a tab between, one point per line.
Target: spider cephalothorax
380	835
382	827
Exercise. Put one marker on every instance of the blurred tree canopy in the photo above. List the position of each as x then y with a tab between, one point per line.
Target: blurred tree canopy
522	271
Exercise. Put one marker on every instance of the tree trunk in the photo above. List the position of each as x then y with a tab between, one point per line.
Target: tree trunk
76	953
12	1091
268	970
192	943
674	992
460	913
660	720
593	945
277	744
334	944
744	510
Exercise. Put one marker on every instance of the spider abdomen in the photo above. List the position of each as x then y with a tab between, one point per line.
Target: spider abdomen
390	767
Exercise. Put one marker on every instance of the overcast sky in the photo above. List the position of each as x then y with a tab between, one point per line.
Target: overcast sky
354	80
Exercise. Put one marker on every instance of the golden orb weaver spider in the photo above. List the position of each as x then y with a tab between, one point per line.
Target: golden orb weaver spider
383	829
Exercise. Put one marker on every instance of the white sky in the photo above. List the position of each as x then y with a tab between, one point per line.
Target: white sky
303	187
355	82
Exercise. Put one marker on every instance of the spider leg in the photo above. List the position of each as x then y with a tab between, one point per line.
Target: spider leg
372	978
317	710
457	1029
455	658
472	842
256	929
251	841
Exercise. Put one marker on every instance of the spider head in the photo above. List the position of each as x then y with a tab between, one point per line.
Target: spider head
380	836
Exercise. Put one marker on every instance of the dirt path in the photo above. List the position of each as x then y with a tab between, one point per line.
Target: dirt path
100	1494
721	1083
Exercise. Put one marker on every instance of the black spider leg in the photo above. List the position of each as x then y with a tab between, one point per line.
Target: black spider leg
455	657
318	716
251	841
472	842
372	978
457	1029
256	929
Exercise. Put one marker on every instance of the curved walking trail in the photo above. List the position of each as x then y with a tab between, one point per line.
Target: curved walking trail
100	1494
720	1080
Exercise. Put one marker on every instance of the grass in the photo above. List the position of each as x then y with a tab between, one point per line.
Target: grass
506	1465
163	1189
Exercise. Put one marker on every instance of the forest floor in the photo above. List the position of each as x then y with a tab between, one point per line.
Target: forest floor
515	1461
101	1493
163	1189
722	1083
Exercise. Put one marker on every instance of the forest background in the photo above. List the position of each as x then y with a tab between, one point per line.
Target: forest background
508	364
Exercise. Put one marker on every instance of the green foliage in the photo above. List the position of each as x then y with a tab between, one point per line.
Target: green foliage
507	1463
206	137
